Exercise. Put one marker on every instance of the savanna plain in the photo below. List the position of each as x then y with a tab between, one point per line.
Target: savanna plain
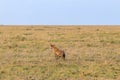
92	52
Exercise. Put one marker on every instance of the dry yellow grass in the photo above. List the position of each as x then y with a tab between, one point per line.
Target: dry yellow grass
93	53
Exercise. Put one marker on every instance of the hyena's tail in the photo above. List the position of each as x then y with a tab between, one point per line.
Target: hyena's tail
64	55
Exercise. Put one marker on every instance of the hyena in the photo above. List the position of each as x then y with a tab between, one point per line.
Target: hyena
58	53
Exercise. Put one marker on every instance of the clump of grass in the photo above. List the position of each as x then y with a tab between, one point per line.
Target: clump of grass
92	45
78	28
60	34
2	72
19	38
22	46
115	42
13	45
50	34
27	29
28	34
102	40
97	30
44	49
39	29
112	42
0	32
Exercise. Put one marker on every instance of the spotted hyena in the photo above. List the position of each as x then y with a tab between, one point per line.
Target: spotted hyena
58	53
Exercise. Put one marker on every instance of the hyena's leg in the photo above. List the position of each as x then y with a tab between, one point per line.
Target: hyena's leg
56	57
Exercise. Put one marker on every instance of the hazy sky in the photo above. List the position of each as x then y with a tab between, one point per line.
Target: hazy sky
60	12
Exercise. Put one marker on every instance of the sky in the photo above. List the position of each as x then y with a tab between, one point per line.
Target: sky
59	12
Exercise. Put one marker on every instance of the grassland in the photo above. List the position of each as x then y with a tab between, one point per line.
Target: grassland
93	53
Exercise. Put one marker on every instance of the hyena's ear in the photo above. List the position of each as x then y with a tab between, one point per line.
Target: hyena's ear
51	44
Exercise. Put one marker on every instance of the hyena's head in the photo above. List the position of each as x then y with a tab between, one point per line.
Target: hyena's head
52	46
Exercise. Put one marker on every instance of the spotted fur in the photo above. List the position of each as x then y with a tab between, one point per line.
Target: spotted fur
57	52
